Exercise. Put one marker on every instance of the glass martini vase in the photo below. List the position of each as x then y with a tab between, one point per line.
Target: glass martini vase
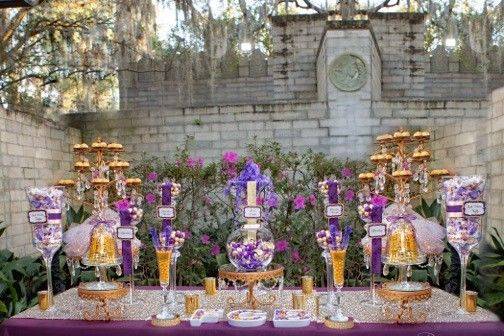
164	261
338	274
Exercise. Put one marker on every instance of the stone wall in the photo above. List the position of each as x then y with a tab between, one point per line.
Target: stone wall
477	147
343	132
33	151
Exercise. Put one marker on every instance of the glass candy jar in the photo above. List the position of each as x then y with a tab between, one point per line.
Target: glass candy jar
250	249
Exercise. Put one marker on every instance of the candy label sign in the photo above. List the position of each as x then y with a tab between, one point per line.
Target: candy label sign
37	217
474	208
125	232
252	212
377	230
166	212
332	211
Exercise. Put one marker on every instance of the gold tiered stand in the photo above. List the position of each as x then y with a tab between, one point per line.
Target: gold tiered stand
102	253
394	158
230	273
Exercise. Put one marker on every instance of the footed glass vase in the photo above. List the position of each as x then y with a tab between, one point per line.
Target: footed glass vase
250	250
164	261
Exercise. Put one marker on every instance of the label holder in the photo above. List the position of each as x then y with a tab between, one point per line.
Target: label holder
126	232
37	217
474	208
333	211
166	212
252	212
376	230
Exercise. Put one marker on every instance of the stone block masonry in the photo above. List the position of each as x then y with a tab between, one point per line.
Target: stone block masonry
33	152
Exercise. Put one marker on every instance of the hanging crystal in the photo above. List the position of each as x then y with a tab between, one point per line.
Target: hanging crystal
120	183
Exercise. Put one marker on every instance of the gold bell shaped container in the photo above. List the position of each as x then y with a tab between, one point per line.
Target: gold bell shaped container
102	254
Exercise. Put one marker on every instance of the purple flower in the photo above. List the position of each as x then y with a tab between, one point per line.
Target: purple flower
349	195
230	157
281	245
122	205
152	176
215	250
299	202
272	201
312	200
295	257
205	239
259	200
187	234
379	200
346	172
150	198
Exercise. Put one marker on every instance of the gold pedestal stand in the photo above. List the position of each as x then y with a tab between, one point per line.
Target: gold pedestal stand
404	299
102	311
164	323
339	324
230	273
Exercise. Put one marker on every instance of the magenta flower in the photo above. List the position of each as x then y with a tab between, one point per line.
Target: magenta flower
150	198
152	176
259	200
299	202
230	157
122	205
272	201
215	250
312	200
346	172
349	195
295	257
379	200
281	245
194	162
205	239
187	234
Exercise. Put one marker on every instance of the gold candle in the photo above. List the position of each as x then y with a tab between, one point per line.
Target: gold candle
307	284
191	303
471	301
210	286
44	300
298	301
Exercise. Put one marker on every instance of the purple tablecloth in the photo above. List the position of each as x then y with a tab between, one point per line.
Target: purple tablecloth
41	327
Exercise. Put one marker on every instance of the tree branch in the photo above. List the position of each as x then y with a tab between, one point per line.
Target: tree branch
13	25
386	4
308	5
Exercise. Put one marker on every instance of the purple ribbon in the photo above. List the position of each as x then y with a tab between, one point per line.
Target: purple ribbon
406	217
376	243
125	218
54	216
332	193
453	208
166	199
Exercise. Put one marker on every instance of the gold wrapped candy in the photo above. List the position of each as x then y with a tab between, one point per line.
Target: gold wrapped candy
164	261
338	263
402	246
102	248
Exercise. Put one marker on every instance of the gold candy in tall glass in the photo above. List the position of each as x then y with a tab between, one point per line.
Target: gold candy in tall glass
307	284
338	265
164	256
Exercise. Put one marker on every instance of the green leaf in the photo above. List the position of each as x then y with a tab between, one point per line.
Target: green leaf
3	308
221	259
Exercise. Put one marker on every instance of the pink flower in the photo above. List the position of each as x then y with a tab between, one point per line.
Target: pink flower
122	205
205	239
152	176
150	198
215	250
194	162
295	257
299	202
349	195
230	157
306	269
346	172
312	200
259	200
272	201
187	234
281	245
379	200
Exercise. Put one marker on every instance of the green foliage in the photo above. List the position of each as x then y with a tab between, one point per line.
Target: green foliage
76	217
432	210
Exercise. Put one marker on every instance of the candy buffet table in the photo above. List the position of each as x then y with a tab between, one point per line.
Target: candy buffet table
66	321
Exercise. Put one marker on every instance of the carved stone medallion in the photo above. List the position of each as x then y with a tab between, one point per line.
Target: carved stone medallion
348	72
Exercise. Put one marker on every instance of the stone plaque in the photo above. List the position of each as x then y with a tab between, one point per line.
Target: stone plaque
348	72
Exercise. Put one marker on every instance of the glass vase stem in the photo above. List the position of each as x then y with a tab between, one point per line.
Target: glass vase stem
173	279
47	262
329	280
464	259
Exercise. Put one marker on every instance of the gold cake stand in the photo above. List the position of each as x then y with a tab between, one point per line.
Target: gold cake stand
102	310
230	273
404	299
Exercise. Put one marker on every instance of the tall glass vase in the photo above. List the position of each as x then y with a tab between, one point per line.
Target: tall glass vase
338	273
164	260
329	282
